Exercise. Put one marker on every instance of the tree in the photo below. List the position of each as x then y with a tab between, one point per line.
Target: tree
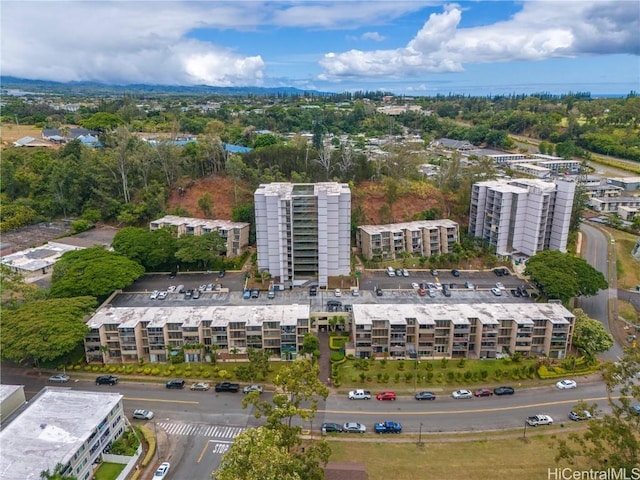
310	345
258	366
44	330
102	121
563	276
205	203
200	249
589	335
92	271
296	384
150	248
56	474
14	291
611	439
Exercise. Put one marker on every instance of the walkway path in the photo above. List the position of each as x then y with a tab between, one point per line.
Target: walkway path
325	358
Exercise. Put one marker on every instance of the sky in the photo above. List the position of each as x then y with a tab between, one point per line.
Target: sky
418	48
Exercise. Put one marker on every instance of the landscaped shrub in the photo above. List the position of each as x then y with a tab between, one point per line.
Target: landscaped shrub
468	375
400	365
77	367
444	362
408	377
461	363
385	377
155	371
383	363
337	357
379	377
396	378
113	369
450	377
363	377
95	368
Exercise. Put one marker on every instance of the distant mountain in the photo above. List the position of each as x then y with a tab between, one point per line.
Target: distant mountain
97	88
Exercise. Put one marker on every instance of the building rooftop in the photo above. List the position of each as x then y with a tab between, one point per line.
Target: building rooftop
219	316
193	222
36	258
460	314
7	390
51	430
417	225
289	190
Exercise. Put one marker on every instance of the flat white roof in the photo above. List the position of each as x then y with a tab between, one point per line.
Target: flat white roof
51	430
290	190
412	226
36	258
220	316
194	222
459	314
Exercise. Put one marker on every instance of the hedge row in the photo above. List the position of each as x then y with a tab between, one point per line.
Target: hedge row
558	372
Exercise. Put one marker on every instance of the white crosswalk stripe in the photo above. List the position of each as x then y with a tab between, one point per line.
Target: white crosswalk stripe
213	431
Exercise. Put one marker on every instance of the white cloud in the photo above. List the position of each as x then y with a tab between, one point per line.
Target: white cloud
375	36
541	30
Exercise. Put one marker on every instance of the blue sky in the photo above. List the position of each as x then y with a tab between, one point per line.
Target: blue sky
406	47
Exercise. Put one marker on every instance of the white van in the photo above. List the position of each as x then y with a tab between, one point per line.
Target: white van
391	272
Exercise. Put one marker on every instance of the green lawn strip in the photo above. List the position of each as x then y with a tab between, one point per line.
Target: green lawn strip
482	459
108	471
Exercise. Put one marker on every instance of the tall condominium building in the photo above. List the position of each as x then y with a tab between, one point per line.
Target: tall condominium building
236	234
303	230
423	238
522	215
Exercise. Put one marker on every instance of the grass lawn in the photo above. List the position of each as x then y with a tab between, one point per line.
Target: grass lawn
456	460
109	471
435	374
628	268
628	312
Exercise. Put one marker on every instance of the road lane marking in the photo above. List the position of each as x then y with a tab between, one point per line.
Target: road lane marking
161	400
220	447
455	412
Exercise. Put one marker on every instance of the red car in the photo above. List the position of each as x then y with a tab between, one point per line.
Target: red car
483	392
386	396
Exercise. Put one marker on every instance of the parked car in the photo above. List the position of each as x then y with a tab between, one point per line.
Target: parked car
455	273
577	416
405	272
483	392
398	272
386	396
458	394
227	387
387	427
255	293
188	294
500	285
175	383
469	285
196	294
143	414
425	396
331	428
355	292
162	471
498	272
415	286
162	295
434	272
247	294
337	292
516	292
221	273
171	288
379	292
504	391
59	378
353	427
106	380
200	386
252	388
445	291
524	292
313	291
154	295
359	395
496	291
536	420
271	294
566	384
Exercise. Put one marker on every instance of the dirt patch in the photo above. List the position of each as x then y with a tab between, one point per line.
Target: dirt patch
9	133
225	194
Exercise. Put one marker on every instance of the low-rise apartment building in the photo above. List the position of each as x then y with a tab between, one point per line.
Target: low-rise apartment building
612	204
421	238
236	234
60	426
130	334
461	330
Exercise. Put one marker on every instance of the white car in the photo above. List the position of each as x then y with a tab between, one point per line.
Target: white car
462	394
337	292
252	388
415	286
500	285
201	386
162	295
171	289
161	472
359	395
405	272
536	420
59	378
154	295
496	291
566	384
355	292
143	414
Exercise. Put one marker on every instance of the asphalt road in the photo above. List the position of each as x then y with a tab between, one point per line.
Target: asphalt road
596	252
202	425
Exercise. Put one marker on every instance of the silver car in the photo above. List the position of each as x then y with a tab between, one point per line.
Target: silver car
59	378
143	414
353	427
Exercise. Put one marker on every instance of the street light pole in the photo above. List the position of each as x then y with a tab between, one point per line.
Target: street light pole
420	444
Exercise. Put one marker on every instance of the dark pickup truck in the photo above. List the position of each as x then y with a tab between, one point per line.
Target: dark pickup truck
227	387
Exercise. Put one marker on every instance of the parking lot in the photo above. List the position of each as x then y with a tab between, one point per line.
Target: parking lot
375	287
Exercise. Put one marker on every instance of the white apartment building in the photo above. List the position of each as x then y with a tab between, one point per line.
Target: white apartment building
60	425
522	215
130	334
461	330
236	234
423	238
303	231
